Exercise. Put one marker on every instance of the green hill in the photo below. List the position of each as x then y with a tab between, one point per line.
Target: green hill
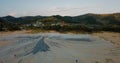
105	22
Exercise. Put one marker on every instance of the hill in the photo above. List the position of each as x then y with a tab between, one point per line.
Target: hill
106	22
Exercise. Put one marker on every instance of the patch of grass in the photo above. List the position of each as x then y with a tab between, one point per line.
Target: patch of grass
109	61
97	62
37	31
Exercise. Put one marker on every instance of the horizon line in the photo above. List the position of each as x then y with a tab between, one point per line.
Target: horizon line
58	15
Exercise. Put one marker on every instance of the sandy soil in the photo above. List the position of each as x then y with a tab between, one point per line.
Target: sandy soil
113	38
110	36
59	48
4	43
8	33
54	48
14	32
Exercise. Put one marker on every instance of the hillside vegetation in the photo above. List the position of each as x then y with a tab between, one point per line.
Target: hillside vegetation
86	23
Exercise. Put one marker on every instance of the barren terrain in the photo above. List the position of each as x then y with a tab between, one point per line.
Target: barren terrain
57	48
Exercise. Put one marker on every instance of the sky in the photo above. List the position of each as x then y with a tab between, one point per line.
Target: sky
19	8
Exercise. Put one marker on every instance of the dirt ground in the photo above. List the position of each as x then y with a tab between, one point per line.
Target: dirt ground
14	32
110	36
105	48
8	33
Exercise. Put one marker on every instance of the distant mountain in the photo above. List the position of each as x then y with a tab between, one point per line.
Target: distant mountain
7	25
103	20
82	19
22	20
100	19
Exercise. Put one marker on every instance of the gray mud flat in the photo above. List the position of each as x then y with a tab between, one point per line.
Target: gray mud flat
54	48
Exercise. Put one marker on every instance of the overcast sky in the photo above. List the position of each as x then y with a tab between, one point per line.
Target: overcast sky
57	7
